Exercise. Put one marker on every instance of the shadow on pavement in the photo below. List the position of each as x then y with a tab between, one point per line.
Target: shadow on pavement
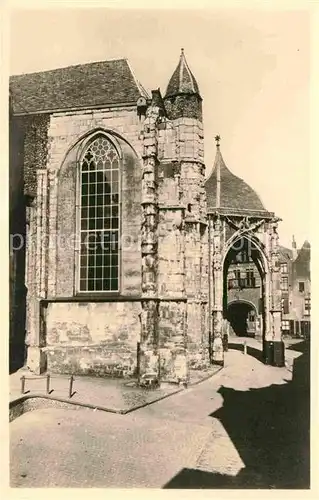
255	353
270	428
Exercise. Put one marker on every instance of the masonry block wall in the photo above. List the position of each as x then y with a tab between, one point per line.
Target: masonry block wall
93	338
182	248
17	229
166	317
52	266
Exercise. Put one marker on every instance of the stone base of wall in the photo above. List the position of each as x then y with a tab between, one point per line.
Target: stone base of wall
91	360
198	357
173	365
36	360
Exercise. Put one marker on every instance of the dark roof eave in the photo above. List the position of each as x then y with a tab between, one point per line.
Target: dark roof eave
78	108
240	211
175	94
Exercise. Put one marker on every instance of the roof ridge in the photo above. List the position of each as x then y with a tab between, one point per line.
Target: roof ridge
81	86
219	156
72	66
185	65
225	187
138	83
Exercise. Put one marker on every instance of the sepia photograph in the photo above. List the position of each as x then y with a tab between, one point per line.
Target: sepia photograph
159	247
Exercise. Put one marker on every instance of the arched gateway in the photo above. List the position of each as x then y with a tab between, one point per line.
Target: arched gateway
244	267
134	261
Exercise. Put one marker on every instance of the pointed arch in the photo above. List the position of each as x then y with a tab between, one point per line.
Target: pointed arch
77	147
254	241
98	217
65	201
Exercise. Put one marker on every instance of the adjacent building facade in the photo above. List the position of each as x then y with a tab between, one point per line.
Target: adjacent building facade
296	290
133	258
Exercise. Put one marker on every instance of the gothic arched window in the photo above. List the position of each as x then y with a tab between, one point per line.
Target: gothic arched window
99	217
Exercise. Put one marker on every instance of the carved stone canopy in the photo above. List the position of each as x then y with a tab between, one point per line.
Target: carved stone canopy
245	225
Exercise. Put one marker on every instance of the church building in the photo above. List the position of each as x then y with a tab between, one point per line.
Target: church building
134	260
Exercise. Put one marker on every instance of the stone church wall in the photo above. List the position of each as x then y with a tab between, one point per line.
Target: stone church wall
93	338
76	336
63	132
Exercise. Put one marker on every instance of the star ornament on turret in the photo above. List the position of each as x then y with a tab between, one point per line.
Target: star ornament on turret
217	139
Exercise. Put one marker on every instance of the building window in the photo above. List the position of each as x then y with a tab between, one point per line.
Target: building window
284	268
250	278
301	286
307	306
99	217
284	283
285	305
285	326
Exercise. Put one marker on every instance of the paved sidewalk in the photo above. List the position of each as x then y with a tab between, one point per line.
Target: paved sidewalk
246	427
116	395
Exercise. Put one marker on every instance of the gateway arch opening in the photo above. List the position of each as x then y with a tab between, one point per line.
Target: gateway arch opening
244	290
243	319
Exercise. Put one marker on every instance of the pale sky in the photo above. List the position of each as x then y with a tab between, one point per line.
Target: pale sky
252	68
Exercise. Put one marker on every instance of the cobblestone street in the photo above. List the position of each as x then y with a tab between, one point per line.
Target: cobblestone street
246	427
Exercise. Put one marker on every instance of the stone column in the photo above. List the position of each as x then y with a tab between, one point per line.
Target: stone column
37	250
217	353
275	303
149	366
273	346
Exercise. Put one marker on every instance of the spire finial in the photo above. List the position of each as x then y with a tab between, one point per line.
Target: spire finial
217	139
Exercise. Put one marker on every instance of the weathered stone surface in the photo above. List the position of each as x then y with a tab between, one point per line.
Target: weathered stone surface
109	323
168	314
37	360
96	360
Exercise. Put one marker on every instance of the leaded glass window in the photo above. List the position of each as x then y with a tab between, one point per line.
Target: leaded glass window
99	217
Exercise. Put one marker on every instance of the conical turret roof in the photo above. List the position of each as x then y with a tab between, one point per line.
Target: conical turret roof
182	80
234	193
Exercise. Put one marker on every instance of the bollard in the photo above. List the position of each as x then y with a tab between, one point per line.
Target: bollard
22	384
48	384
245	347
71	386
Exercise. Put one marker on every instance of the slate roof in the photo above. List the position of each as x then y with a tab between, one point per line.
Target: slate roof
302	262
182	80
82	86
285	253
235	194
